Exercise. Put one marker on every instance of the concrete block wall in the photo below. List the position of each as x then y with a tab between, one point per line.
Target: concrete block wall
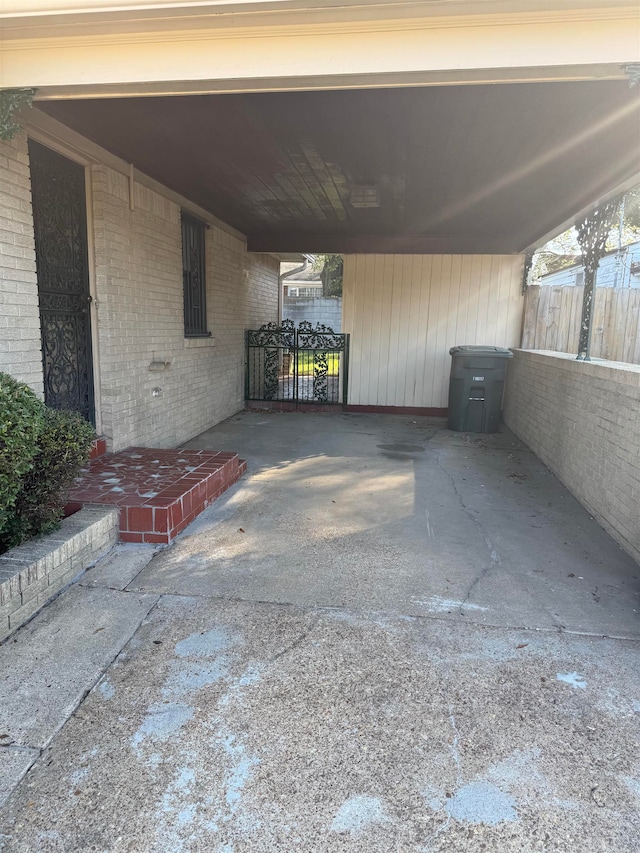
326	310
582	419
20	348
138	265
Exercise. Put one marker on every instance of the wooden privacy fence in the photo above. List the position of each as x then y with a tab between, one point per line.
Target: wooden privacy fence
552	321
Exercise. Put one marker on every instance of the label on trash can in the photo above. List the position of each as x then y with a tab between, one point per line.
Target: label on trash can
478	378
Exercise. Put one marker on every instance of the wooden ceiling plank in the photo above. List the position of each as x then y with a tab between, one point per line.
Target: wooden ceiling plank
308	177
324	178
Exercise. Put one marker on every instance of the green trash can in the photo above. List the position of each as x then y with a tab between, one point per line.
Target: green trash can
476	387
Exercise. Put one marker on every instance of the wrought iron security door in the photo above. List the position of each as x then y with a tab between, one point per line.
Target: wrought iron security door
304	365
60	222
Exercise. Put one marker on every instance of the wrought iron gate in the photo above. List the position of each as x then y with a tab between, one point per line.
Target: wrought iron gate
60	224
304	365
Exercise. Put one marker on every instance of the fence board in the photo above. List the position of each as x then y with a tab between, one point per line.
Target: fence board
531	305
552	321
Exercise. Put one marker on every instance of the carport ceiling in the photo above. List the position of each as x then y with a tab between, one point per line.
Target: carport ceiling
487	168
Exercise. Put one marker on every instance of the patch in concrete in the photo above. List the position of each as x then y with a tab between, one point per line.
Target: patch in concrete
194	675
482	803
177	809
435	604
242	764
213	655
359	813
162	722
520	767
205	643
572	678
632	784
107	690
433	798
251	676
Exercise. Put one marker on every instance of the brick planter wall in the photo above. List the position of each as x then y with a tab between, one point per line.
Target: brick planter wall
33	573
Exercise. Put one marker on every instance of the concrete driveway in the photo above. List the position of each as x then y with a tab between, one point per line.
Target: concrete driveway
387	637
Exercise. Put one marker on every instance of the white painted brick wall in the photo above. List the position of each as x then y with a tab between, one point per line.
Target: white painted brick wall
20	349
140	318
583	420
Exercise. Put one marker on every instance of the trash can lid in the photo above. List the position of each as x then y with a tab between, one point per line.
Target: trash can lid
500	352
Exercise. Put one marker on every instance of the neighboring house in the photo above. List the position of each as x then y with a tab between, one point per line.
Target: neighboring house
149	200
303	300
619	268
304	283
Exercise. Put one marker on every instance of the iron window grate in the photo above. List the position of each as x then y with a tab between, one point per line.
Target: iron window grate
193	277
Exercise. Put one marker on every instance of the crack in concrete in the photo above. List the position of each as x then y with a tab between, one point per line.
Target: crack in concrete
295	643
494	559
455	755
386	614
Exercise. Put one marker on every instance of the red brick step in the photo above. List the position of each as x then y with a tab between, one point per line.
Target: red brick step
159	492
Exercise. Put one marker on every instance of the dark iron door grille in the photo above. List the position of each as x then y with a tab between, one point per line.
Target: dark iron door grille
193	273
304	365
60	225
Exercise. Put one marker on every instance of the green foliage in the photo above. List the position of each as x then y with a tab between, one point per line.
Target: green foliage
41	452
21	421
11	100
330	267
307	362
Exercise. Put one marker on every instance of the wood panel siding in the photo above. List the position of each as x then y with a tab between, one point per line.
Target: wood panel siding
552	321
404	312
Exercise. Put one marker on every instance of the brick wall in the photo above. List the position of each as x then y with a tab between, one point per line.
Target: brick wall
20	353
583	420
140	318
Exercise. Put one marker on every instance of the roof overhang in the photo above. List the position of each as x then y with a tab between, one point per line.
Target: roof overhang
457	169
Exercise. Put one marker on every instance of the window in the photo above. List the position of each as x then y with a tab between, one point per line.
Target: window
193	278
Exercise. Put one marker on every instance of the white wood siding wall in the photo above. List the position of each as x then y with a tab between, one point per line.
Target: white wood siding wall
404	312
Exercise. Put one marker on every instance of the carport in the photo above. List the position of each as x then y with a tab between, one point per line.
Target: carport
436	195
388	636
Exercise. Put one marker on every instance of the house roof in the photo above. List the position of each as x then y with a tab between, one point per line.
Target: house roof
305	276
578	265
456	169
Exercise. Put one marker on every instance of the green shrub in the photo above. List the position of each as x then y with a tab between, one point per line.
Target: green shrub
64	446
21	421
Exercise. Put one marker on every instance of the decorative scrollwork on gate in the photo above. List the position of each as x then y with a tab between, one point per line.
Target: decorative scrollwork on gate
308	364
321	337
273	335
321	377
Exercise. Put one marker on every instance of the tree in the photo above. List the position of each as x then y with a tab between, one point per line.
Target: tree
564	250
330	268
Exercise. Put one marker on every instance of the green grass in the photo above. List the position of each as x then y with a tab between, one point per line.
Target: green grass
306	362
